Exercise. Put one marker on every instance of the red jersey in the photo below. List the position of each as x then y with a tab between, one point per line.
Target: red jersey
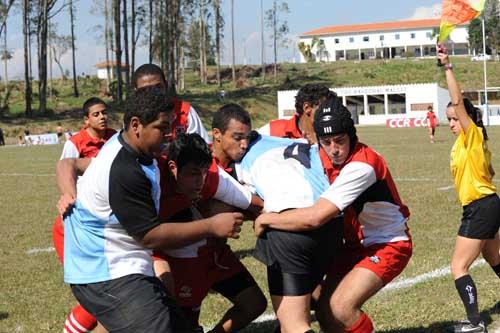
431	118
82	145
181	112
364	190
285	128
218	185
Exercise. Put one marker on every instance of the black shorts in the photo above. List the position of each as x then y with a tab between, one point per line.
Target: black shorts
233	286
290	284
133	303
299	256
481	218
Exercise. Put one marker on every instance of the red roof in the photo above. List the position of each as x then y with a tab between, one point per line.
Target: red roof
111	64
395	25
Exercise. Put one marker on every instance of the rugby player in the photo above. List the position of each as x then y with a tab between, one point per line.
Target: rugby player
188	160
300	126
186	119
128	214
377	241
85	144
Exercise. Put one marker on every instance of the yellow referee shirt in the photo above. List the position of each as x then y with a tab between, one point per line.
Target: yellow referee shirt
471	166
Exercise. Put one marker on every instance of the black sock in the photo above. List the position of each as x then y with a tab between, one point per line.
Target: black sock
468	293
496	269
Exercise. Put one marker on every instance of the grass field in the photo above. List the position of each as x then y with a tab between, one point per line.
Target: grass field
33	297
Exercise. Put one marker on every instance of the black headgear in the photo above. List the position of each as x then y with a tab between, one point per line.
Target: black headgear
332	118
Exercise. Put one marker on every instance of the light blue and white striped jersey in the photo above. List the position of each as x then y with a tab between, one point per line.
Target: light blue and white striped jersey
118	196
286	173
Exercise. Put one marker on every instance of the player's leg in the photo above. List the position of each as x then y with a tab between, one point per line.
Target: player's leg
79	319
491	253
293	313
247	306
379	265
291	299
323	310
181	277
465	252
232	280
353	291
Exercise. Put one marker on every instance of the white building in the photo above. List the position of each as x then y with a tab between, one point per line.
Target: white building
402	105
102	72
382	40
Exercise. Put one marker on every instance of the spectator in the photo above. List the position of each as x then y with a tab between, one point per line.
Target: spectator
2	140
59	132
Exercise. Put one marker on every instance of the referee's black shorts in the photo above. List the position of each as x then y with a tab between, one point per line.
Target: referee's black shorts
481	218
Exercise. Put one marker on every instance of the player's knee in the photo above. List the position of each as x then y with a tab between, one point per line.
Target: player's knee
458	268
491	255
342	311
257	304
252	302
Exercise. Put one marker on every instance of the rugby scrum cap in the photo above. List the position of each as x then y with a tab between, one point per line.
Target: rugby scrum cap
332	118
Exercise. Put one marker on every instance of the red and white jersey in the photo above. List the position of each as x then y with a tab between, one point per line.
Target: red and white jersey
218	185
187	120
364	190
82	145
282	128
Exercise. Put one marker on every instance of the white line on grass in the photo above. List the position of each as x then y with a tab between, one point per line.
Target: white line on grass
445	188
407	283
416	179
27	174
40	250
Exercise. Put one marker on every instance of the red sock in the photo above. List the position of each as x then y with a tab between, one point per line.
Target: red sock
363	325
79	321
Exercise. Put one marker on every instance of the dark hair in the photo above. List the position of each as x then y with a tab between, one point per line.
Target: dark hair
474	113
333	118
189	148
90	103
146	104
311	93
145	70
227	112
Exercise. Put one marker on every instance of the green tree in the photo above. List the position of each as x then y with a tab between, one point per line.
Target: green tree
279	28
492	29
306	49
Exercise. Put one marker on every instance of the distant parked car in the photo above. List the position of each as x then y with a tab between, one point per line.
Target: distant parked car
480	57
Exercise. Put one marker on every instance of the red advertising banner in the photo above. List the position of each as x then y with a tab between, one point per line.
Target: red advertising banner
407	122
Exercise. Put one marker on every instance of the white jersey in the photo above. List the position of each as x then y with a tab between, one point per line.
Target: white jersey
194	125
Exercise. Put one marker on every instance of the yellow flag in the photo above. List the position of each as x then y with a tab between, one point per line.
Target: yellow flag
457	12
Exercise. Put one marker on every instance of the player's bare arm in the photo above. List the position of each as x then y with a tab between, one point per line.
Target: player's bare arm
67	171
175	235
454	90
301	219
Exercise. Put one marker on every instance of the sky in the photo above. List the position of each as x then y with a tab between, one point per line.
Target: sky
304	15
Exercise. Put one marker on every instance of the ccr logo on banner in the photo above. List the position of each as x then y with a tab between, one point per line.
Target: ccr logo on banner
407	122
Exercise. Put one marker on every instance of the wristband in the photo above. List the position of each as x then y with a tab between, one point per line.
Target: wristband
448	66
